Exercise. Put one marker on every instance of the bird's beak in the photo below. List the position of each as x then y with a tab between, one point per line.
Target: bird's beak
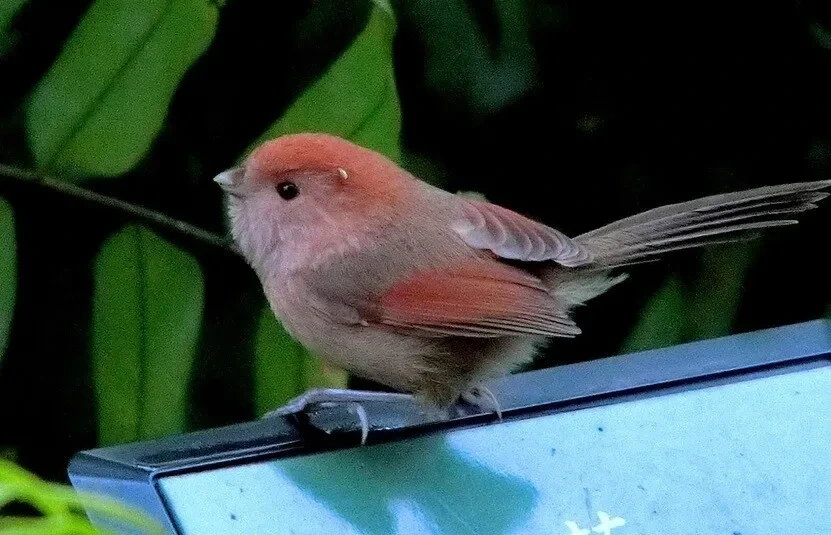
230	179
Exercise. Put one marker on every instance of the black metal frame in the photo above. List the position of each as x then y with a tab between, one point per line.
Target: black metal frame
130	472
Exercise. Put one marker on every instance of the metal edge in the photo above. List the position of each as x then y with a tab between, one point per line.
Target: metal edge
521	395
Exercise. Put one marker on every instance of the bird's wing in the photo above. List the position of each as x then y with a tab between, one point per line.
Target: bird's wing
507	234
476	298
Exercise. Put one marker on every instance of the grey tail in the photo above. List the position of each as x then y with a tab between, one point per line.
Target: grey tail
727	217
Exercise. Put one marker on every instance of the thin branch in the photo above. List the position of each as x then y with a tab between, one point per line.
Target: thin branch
139	212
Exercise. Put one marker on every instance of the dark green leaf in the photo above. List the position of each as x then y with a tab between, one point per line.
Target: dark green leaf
462	62
718	291
147	311
676	314
356	99
821	35
278	365
8	272
662	319
284	368
104	100
8	9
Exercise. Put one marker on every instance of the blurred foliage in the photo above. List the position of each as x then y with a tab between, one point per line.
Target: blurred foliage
59	509
681	311
8	275
8	9
356	97
462	62
105	98
822	36
146	317
575	113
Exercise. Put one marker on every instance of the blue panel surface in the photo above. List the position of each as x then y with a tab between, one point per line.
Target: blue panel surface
737	458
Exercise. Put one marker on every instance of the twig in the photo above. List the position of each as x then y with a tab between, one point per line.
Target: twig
134	210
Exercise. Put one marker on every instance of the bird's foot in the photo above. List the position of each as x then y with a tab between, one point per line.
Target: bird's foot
354	400
481	397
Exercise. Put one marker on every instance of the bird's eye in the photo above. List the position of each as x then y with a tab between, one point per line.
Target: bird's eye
287	190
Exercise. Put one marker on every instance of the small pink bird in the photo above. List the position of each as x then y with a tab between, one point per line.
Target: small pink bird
431	293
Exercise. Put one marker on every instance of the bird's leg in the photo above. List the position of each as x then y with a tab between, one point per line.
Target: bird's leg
480	396
329	397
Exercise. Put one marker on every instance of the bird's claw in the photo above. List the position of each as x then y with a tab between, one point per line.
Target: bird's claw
331	397
483	398
359	410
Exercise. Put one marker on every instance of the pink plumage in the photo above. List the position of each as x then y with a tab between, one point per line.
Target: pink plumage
432	293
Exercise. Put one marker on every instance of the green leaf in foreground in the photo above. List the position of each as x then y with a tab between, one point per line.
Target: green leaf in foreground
8	272
147	312
356	98
62	508
98	109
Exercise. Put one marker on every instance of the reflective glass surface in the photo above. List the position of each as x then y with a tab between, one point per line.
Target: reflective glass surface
733	459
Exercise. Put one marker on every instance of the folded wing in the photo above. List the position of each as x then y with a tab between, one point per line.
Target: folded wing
509	235
475	299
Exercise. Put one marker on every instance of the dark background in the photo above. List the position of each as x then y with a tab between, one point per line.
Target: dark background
574	113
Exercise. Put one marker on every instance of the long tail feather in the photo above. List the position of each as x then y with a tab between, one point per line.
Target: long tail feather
715	219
